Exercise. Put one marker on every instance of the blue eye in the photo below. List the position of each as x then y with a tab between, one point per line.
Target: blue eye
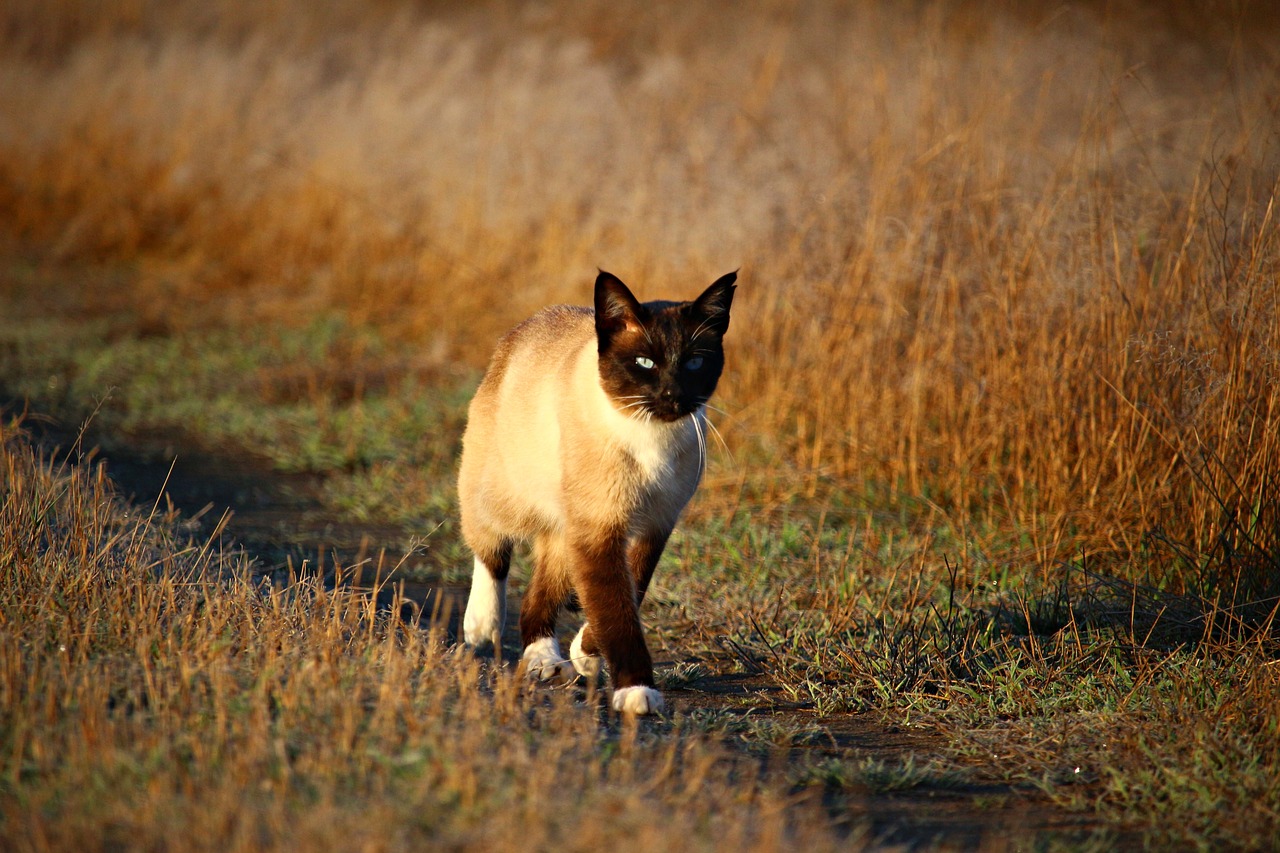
693	363
646	363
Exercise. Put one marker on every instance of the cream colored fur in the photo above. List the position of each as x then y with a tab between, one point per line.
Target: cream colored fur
547	451
637	700
529	466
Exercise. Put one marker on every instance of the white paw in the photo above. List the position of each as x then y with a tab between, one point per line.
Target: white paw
486	609
585	664
543	662
637	700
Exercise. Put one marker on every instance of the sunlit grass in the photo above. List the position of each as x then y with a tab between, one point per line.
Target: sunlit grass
154	697
1018	265
1001	418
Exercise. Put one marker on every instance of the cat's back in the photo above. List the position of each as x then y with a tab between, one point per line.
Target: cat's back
536	352
551	330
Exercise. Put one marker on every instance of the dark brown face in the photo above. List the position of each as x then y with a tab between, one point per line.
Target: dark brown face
661	359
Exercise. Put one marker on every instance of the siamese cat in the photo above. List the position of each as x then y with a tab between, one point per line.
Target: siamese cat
587	436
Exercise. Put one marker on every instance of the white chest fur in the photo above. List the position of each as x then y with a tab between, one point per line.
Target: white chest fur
662	450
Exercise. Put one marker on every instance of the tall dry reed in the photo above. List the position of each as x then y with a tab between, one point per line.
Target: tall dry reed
1016	262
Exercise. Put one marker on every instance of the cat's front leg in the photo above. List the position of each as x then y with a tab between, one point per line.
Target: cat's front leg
608	592
638	699
643	554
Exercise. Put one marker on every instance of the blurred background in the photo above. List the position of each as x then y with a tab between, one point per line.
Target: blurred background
1014	263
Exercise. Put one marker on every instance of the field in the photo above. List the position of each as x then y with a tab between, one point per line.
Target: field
988	552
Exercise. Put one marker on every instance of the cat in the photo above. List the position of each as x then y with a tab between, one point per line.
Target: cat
587	436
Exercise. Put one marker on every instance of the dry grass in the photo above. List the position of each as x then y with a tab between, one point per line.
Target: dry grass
1020	263
1009	299
152	698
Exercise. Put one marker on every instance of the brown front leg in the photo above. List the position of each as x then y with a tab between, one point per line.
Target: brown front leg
642	556
608	591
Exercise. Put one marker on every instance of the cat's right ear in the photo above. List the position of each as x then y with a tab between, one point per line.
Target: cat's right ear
617	309
715	301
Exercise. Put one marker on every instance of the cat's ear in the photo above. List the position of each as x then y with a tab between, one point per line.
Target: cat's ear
712	307
617	309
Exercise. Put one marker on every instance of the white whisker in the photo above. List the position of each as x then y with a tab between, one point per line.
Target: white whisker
702	442
720	438
637	407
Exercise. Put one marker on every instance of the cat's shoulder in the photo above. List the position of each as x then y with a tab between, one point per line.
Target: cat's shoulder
555	333
556	325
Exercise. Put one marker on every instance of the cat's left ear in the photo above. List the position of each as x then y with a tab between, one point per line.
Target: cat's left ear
617	309
713	305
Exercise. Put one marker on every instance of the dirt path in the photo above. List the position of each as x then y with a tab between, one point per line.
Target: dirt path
280	520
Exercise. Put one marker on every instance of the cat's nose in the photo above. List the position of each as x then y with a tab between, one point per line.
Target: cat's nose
667	395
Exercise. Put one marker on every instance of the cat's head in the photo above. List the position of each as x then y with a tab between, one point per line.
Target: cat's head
661	359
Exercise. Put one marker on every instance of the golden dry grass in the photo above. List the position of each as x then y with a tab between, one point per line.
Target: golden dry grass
151	697
1013	267
1019	262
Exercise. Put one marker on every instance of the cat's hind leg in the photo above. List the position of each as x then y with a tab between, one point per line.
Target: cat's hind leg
582	652
543	662
486	613
548	589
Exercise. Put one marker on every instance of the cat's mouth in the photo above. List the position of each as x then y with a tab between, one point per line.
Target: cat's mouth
669	411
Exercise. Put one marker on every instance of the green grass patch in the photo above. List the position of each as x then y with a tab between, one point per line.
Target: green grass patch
322	398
